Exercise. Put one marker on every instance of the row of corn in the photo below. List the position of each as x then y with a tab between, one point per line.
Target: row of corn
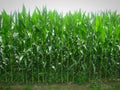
49	47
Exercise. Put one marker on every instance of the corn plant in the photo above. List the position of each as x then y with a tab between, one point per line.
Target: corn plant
47	47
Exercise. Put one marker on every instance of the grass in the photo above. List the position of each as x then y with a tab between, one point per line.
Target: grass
91	86
47	47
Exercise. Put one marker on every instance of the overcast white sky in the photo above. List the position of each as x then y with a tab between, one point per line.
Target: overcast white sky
61	5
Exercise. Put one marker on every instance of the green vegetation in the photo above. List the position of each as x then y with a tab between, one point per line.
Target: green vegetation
47	47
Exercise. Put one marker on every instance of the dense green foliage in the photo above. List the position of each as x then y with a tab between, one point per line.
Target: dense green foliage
48	47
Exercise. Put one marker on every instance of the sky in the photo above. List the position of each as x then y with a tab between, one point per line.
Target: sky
61	5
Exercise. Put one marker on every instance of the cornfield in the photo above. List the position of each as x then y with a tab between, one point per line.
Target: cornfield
49	47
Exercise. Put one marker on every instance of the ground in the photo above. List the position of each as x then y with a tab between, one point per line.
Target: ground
69	86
